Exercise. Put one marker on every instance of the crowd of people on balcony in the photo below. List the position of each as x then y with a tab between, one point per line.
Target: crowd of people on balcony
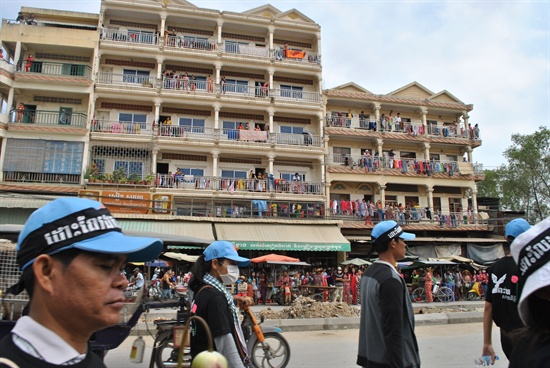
389	123
372	163
31	21
374	212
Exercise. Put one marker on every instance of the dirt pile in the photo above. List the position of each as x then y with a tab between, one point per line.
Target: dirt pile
304	307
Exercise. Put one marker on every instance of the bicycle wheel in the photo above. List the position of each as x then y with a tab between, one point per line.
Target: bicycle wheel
445	294
273	353
418	295
167	355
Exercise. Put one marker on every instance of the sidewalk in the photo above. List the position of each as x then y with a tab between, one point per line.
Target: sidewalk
455	312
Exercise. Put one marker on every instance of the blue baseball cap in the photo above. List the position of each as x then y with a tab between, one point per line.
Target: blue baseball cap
516	227
224	249
387	230
79	223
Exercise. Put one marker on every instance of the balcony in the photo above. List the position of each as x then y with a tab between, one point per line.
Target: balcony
76	71
117	127
181	42
297	56
135	81
295	96
405	128
122	35
214	183
32	177
305	140
256	51
49	118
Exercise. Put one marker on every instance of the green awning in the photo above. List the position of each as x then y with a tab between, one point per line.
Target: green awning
298	237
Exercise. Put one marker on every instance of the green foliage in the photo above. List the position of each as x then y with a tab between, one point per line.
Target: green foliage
524	183
119	175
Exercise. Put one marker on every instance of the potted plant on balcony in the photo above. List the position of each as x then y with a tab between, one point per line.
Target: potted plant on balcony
149	178
134	179
118	175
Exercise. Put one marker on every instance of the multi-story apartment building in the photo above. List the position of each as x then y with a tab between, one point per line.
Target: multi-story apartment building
213	124
407	154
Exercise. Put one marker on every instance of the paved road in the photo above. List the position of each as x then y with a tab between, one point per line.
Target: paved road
441	346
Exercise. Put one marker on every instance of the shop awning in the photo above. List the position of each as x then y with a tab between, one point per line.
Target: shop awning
253	236
172	231
427	239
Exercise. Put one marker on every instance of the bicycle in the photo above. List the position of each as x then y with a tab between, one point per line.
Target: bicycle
442	294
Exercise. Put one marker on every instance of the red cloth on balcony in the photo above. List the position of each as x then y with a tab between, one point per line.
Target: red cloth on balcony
294	54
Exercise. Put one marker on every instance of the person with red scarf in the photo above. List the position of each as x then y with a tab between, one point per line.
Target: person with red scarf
353	285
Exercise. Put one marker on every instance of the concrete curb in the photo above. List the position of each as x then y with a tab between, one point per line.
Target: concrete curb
346	323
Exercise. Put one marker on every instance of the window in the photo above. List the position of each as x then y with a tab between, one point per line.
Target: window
451	158
233	46
290	177
191	171
135	76
411	201
434	157
195	42
140	119
407	155
437	204
291	91
200	82
141	36
340	154
292	130
234	174
100	164
71	69
455	204
237	86
65	114
230	129
390	199
192	125
130	167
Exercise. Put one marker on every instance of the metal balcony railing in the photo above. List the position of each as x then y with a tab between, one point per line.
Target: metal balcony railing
33	177
123	35
127	80
285	94
300	57
187	132
119	127
215	183
182	42
374	163
41	67
257	51
304	139
40	117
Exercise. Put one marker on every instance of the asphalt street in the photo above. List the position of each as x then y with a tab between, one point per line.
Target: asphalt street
441	346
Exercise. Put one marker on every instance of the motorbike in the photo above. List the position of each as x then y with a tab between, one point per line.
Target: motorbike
476	292
278	295
154	291
266	346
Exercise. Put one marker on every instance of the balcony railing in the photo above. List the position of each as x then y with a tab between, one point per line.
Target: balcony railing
33	177
233	48
127	80
408	128
40	117
40	67
241	135
285	94
123	35
297	57
237	185
118	127
372	164
182	42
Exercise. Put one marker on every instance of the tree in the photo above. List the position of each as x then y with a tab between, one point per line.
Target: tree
524	183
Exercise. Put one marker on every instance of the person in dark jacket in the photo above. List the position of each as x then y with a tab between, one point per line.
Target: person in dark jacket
72	253
386	330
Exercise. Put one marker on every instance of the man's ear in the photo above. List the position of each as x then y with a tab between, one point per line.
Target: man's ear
43	268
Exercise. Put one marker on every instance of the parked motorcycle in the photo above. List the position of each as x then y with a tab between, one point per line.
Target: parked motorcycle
154	291
476	292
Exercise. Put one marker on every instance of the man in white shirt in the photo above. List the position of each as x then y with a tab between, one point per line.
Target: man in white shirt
71	253
397	122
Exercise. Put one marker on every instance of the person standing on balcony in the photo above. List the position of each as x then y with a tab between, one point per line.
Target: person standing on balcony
392	157
20	113
186	81
349	116
210	84
29	61
397	122
222	84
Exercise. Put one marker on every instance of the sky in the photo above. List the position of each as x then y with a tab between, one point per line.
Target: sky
492	54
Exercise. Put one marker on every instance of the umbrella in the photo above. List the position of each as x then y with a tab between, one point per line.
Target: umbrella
274	258
356	262
181	257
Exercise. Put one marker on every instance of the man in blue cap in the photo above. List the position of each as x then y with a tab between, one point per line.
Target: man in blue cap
386	330
501	300
71	253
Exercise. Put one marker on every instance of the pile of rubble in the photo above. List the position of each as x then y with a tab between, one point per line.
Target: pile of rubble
304	307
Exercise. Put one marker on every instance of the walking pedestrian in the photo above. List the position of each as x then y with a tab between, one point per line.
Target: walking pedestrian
386	330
